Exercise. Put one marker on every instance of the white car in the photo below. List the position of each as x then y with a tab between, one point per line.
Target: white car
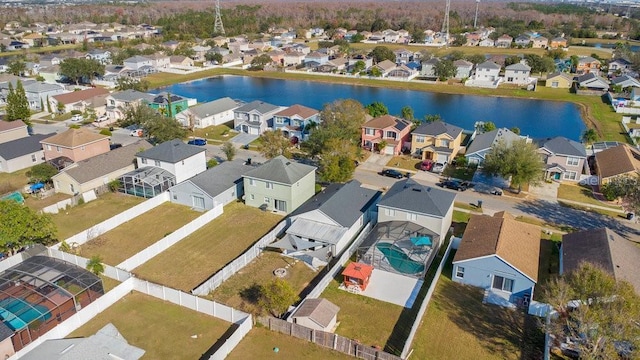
102	118
136	133
77	117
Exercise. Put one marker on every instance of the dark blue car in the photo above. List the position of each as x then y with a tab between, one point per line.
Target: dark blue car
198	142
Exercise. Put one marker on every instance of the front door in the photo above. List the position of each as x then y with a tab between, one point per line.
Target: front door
280	205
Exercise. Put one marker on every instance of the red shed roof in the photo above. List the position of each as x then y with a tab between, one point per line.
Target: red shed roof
358	271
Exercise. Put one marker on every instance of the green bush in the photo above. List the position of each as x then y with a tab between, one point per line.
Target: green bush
76	112
105	132
211	163
115	185
318	188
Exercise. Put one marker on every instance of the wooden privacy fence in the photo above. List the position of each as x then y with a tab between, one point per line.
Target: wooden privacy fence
326	339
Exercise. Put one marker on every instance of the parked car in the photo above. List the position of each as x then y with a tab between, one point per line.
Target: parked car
77	117
102	118
426	165
114	146
438	167
198	142
495	191
454	185
136	132
392	173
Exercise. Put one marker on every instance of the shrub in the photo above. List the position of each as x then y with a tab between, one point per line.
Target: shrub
211	163
318	188
105	132
114	185
76	112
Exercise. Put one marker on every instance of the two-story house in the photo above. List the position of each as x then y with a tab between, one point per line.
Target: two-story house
386	134
482	143
316	57
138	63
254	117
437	141
517	74
558	42
504	41
565	159
159	60
119	102
619	66
38	92
429	68
587	65
620	161
212	113
99	55
279	184
403	56
463	69
168	104
75	144
522	40
487	71
296	121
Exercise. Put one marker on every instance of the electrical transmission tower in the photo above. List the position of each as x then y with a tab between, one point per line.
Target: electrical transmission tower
475	19
218	28
445	24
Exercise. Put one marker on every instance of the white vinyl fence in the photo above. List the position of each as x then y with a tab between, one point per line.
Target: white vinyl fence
117	220
171	239
425	302
11	261
245	325
241	261
80	261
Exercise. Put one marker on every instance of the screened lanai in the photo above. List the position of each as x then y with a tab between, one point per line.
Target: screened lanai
147	181
40	293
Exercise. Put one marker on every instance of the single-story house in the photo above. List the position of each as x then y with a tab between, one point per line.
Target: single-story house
220	184
625	81
98	171
591	81
74	100
179	60
318	314
481	145
604	248
499	254
622	160
216	112
12	130
559	80
21	153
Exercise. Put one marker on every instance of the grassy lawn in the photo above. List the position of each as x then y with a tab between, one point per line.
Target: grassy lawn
13	181
549	263
162	329
84	216
138	233
46	49
460	217
37	203
581	194
362	318
194	259
535	221
457	325
466	206
260	342
611	213
240	290
219	133
405	162
109	283
460	172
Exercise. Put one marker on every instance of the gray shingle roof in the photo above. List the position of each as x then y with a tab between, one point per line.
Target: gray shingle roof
281	170
436	128
489	65
259	106
214	107
412	196
344	203
563	146
220	178
39	87
132	95
484	141
20	147
518	67
321	311
103	164
171	151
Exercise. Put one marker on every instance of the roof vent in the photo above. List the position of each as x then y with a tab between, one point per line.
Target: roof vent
288	163
417	189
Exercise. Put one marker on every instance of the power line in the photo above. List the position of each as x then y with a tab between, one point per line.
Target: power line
218	28
445	24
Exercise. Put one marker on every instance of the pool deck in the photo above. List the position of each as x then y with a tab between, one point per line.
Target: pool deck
393	288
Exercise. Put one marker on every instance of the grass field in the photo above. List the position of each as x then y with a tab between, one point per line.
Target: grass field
405	162
37	203
82	217
200	255
219	133
260	342
240	290
581	194
361	318
138	233
162	329
13	181
457	325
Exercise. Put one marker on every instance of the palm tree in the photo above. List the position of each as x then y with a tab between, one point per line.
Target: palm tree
589	136
95	265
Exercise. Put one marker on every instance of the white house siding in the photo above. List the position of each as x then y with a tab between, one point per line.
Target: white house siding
343	242
22	162
516	77
183	170
216	119
481	271
185	192
438	225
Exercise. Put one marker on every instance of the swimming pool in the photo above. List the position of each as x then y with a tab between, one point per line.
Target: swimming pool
399	260
17	313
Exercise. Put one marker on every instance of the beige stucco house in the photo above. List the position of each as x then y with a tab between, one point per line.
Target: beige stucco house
437	141
75	144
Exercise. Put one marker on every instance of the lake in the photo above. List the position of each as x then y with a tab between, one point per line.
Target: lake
536	118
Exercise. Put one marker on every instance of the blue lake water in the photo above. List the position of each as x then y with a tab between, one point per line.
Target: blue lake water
536	118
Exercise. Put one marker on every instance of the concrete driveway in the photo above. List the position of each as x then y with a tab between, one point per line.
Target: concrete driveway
243	139
547	191
375	162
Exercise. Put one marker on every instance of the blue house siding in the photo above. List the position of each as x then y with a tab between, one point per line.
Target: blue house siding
477	157
480	272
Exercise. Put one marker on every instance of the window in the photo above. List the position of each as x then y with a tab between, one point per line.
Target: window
280	205
510	79
389	212
570	175
412	217
143	160
444	143
279	120
73	190
252	182
369	131
390	135
253	197
555	84
58	148
33	158
502	283
460	272
157	163
269	185
255	118
573	161
266	199
48	147
198	202
419	138
82	147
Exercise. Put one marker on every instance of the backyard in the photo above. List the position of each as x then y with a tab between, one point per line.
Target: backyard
240	291
137	234
480	331
200	255
13	181
261	342
162	329
361	318
82	217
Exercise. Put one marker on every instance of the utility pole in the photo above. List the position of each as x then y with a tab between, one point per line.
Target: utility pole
445	24
218	28
475	19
